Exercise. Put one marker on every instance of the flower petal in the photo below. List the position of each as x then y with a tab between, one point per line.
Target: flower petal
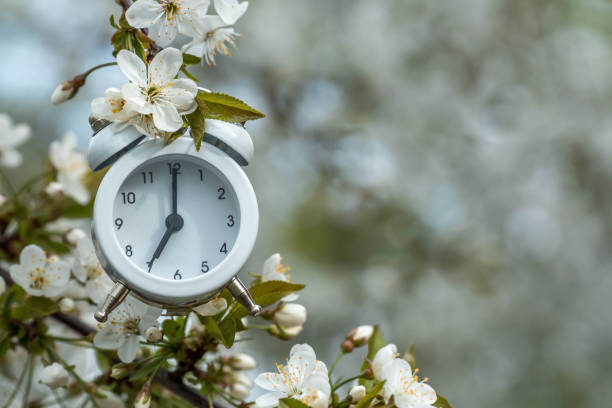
10	158
109	338
132	67
133	94
32	257
272	382
128	349
144	13
165	66
163	31
269	400
166	117
230	10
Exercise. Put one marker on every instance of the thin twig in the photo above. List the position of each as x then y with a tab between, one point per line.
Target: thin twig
162	377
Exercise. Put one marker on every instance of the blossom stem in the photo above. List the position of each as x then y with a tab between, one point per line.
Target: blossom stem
26	368
348	380
28	184
7	182
92	69
333	366
259	326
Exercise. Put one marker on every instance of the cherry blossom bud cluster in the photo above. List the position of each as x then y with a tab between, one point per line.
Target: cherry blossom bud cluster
357	337
54	376
67	89
143	399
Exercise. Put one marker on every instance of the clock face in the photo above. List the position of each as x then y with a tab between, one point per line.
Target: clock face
176	217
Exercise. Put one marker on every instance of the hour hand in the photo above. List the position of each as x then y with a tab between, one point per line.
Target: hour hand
174	223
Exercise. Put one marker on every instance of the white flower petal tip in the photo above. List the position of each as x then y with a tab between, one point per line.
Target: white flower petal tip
230	10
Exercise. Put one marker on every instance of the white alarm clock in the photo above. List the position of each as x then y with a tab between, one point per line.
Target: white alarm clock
172	225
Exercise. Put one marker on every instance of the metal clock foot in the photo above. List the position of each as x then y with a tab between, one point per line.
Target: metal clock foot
113	299
242	295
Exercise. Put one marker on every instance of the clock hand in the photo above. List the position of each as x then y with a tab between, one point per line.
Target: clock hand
174	193
174	222
160	247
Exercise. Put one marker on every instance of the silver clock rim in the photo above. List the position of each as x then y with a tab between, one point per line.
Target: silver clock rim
153	289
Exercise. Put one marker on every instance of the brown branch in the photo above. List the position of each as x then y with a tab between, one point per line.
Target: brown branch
162	377
125	4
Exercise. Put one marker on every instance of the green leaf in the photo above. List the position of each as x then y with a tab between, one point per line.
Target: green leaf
78	211
212	327
441	402
50	245
189	59
112	22
35	307
291	403
171	328
196	122
365	401
227	108
149	367
171	137
265	294
228	332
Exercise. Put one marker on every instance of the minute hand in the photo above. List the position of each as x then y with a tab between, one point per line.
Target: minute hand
174	192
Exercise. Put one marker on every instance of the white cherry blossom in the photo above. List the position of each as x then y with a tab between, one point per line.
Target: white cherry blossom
54	375
71	168
113	107
39	275
87	269
383	356
405	387
124	326
166	18
11	136
360	335
230	10
303	378
273	269
155	91
211	37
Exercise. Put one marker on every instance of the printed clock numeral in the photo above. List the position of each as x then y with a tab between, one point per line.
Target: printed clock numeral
174	166
205	267
128	250
177	275
221	192
119	223
230	220
223	248
128	198
145	178
201	174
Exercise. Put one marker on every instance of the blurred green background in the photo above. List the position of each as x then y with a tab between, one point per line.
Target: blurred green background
441	168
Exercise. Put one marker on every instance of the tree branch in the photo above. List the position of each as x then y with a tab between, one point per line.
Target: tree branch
162	377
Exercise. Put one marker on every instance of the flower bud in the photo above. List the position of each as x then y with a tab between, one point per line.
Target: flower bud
360	335
53	189
154	335
290	315
119	371
67	89
347	346
66	305
54	375
212	308
242	361
143	399
2	285
288	333
239	390
74	235
357	393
